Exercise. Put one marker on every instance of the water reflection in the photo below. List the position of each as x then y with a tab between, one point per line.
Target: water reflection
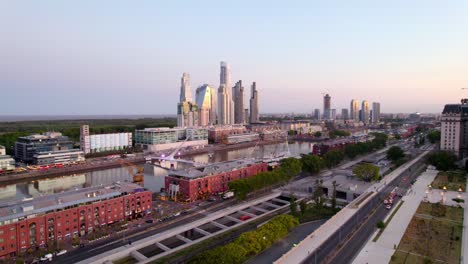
154	176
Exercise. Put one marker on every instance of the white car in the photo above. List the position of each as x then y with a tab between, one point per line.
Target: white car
47	257
61	252
388	207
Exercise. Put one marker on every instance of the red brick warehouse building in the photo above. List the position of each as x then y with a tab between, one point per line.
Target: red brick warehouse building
197	183
32	223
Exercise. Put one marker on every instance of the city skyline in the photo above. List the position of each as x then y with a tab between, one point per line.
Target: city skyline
91	62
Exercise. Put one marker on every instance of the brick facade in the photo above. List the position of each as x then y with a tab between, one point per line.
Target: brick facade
68	222
198	188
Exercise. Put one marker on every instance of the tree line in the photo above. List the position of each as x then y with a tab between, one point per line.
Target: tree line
249	244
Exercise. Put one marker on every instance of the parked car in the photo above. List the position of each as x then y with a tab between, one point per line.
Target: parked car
61	252
149	221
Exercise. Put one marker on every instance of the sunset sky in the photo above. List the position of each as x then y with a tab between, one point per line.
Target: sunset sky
127	57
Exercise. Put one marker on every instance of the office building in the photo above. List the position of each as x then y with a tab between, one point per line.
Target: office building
103	142
164	138
32	223
375	113
206	98
199	183
254	110
187	110
7	163
454	129
225	100
27	147
317	114
354	110
238	92
344	114
365	112
58	157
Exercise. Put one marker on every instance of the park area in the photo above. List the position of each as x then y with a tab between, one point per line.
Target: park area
433	235
453	180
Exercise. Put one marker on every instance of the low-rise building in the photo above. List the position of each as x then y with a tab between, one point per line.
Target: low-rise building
103	142
219	134
27	147
198	183
241	138
159	139
58	157
31	223
7	163
2	151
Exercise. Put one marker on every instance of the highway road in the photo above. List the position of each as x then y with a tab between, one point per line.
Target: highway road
349	250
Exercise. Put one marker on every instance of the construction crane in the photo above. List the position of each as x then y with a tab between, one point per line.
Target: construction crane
138	177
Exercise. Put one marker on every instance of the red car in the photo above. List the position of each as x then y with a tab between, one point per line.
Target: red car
245	217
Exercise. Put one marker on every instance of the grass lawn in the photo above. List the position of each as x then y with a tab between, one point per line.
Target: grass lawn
126	260
451	179
433	235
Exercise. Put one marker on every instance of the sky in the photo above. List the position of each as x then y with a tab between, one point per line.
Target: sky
127	57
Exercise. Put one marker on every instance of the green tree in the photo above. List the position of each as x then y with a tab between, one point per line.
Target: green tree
318	194
433	136
395	153
397	137
333	158
367	172
312	163
293	206
318	134
443	160
338	133
303	207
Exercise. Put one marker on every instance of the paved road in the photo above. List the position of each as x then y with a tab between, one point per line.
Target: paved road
99	247
281	247
353	246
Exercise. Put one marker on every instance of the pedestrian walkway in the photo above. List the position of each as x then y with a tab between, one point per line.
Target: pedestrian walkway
382	250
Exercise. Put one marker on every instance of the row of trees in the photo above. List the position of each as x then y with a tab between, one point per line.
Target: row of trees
289	168
443	160
338	133
250	243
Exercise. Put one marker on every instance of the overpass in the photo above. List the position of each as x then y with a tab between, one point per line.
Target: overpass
165	243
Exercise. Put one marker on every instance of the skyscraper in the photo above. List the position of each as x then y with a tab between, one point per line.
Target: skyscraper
185	93
454	126
354	110
238	92
225	103
317	114
344	114
254	114
333	114
365	112
375	112
326	106
187	111
206	101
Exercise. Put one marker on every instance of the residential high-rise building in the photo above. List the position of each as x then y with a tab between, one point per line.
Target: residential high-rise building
365	112
225	103
246	115
454	129
223	114
187	111
254	111
238	92
326	106
206	102
354	110
317	114
185	92
375	112
344	114
333	114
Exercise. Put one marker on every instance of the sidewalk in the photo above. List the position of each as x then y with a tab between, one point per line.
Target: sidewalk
382	250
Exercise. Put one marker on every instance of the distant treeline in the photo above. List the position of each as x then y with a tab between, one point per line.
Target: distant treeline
10	131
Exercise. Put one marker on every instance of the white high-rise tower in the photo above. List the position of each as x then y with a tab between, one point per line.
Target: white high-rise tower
185	93
225	103
254	112
354	110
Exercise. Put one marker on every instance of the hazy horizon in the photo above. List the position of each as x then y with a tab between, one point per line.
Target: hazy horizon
107	57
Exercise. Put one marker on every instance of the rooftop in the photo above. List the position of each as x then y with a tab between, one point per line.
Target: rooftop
212	169
29	206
